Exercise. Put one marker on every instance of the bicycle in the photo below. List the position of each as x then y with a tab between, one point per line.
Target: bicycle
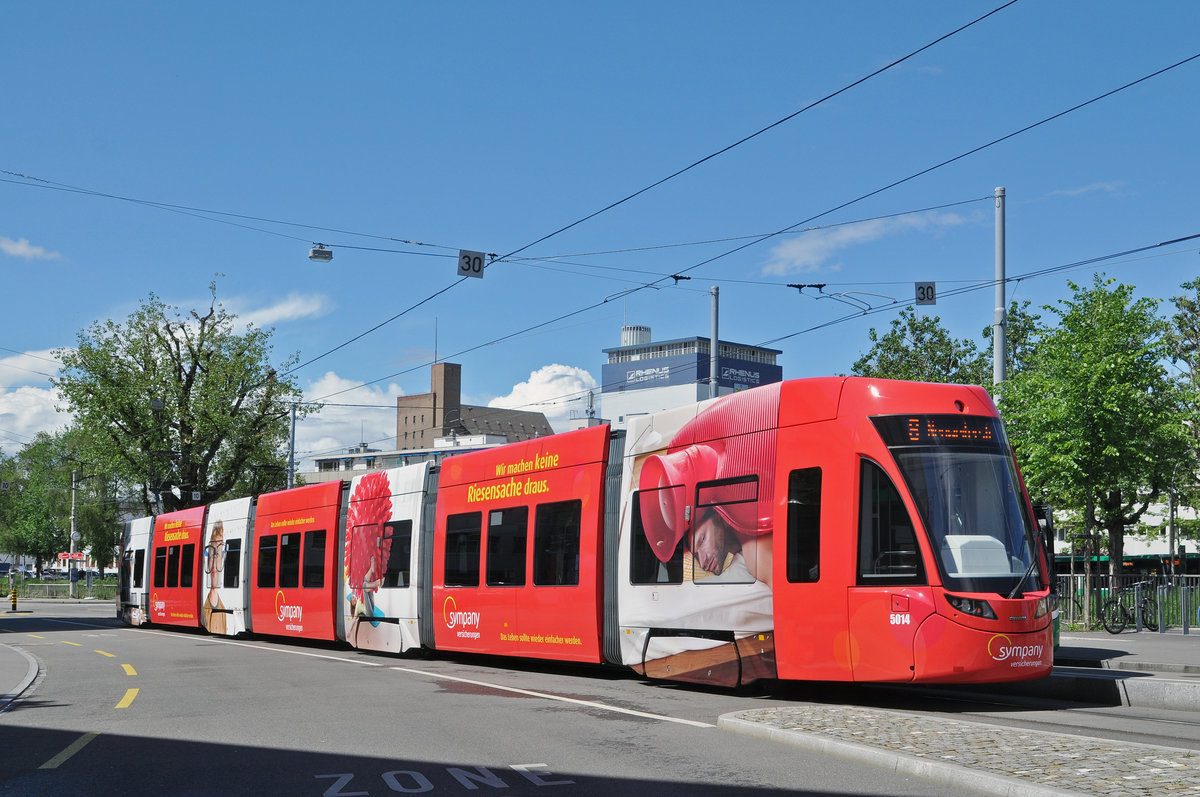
1070	608
1114	615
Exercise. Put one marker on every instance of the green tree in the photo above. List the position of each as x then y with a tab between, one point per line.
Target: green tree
918	348
179	403
9	495
36	519
1093	415
1021	330
1183	341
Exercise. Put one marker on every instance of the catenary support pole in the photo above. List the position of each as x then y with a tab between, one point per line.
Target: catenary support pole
71	558
291	481
998	318
713	344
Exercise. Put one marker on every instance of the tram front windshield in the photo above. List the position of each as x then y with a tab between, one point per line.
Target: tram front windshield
962	479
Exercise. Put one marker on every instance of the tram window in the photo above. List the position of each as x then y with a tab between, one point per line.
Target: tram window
139	567
233	563
173	566
289	560
804	526
266	560
124	579
314	559
650	507
187	562
508	530
556	543
160	567
714	545
399	554
462	549
887	544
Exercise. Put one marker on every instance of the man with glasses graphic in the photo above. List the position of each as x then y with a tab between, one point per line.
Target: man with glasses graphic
214	611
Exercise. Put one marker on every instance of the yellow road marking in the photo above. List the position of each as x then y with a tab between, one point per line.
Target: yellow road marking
129	669
76	644
71	749
127	701
36	636
110	655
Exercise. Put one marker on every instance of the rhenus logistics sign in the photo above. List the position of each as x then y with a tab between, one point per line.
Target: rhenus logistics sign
687	369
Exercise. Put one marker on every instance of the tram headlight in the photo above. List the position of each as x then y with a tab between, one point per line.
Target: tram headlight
1043	608
972	606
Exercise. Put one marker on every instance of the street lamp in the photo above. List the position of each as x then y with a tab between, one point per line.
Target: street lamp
75	480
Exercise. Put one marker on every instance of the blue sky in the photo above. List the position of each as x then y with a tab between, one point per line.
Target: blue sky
422	129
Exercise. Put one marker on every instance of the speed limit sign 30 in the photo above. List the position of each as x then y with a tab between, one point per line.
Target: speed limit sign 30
470	264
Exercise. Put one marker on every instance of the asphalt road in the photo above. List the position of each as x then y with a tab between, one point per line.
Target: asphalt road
126	711
147	712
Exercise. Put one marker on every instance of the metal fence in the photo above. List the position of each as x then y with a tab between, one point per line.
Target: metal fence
1171	602
61	590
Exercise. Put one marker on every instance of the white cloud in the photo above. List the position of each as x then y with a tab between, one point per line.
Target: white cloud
26	411
368	414
26	406
554	390
31	367
293	307
26	250
1107	188
361	414
813	250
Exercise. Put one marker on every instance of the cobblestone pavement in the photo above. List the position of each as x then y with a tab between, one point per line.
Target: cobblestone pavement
988	758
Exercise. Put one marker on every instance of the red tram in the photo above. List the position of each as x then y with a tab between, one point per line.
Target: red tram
841	528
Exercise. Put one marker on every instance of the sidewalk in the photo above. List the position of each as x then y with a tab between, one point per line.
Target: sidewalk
1137	669
17	670
973	756
1171	651
1145	669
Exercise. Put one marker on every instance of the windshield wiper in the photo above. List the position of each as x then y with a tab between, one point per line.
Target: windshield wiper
1029	570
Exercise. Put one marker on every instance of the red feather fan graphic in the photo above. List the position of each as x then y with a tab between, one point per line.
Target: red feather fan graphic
366	548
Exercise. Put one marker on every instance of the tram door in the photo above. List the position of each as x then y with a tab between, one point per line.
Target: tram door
889	596
810	572
134	600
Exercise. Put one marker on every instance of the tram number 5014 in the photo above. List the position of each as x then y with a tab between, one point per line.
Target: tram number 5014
901	619
470	264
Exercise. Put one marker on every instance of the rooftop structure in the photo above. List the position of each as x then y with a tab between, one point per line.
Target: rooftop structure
425	417
643	375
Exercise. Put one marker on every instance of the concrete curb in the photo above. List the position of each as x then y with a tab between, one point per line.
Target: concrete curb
30	674
1150	666
1136	688
940	772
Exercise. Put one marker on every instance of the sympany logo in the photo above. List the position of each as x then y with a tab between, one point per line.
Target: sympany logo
456	619
286	612
1001	648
